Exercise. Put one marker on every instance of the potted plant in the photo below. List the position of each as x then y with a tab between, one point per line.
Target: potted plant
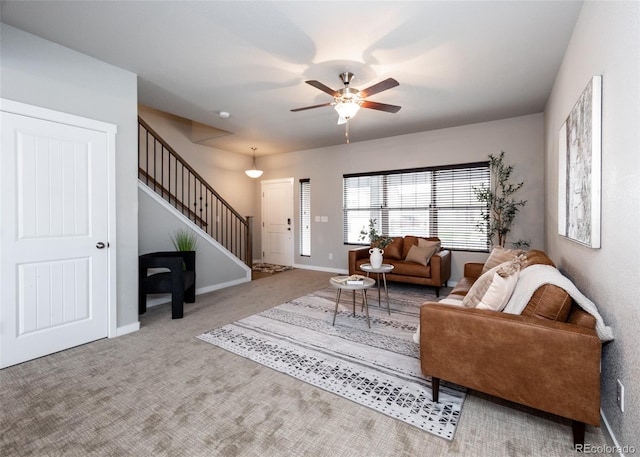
185	241
501	207
378	243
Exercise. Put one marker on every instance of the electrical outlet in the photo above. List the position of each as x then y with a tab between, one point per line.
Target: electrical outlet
331	256
620	395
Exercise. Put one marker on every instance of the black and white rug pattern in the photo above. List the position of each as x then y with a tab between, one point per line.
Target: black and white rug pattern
378	367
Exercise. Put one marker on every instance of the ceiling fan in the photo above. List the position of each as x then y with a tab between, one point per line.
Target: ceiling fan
347	101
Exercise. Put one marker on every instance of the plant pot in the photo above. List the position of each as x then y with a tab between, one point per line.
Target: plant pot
375	257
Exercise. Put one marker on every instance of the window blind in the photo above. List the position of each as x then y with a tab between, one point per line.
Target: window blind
305	217
436	201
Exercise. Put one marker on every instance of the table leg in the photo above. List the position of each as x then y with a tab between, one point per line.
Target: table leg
366	306
386	292
385	285
336	310
354	303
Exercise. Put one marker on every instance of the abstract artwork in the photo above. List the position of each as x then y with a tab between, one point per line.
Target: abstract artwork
579	168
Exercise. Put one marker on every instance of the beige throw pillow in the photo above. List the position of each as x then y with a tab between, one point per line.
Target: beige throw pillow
502	288
421	255
500	255
499	292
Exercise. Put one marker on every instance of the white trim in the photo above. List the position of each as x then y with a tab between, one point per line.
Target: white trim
23	109
166	298
110	130
125	329
112	268
204	235
609	432
317	268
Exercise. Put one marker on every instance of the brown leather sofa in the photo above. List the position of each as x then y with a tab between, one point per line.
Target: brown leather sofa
436	273
547	358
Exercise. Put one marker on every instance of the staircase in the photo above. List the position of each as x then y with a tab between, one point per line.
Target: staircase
162	169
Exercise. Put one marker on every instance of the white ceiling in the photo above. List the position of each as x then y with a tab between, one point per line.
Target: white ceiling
457	62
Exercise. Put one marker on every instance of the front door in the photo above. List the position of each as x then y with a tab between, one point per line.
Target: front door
277	221
54	212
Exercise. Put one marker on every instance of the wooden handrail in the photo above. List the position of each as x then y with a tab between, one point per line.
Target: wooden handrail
217	217
188	167
176	201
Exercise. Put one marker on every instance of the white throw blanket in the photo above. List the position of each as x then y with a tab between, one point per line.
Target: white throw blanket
537	275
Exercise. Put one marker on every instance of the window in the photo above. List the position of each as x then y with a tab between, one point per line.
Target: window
305	217
435	201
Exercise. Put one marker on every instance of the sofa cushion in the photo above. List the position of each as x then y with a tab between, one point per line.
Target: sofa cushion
422	254
394	250
549	302
410	269
500	255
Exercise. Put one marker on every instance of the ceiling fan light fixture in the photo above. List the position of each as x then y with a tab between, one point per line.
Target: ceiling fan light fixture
347	109
254	172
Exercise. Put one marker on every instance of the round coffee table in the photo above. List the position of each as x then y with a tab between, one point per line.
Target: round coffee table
384	269
339	282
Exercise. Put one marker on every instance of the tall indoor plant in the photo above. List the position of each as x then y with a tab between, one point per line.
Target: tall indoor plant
501	207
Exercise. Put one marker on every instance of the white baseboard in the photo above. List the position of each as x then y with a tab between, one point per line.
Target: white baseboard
616	448
316	268
161	299
130	328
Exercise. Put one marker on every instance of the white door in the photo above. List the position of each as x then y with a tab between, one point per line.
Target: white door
277	221
54	218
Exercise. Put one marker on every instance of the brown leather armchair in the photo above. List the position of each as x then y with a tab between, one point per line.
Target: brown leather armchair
531	359
436	273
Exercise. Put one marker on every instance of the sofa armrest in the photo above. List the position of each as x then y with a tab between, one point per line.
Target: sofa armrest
548	365
440	263
357	254
473	270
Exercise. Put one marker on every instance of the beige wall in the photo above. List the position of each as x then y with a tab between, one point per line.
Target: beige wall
521	138
606	41
223	170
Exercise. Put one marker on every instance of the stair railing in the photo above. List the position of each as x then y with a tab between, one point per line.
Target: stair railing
162	169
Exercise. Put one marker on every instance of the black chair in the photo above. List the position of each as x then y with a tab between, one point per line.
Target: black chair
179	281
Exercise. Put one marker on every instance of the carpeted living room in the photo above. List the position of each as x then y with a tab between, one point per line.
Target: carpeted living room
319	180
161	391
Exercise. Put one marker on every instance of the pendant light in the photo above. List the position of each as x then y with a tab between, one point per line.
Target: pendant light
254	172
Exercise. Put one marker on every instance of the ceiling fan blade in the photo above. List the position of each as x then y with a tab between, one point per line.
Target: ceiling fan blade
310	107
381	106
322	87
376	88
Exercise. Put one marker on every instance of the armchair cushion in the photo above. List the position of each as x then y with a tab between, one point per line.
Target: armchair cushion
422	254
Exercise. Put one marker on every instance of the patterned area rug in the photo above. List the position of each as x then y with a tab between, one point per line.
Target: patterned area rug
269	268
378	367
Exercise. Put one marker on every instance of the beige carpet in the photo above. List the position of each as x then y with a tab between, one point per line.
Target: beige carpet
161	392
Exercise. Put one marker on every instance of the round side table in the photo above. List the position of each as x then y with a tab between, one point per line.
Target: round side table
383	270
339	282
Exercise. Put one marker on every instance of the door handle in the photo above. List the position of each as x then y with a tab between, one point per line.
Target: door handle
100	245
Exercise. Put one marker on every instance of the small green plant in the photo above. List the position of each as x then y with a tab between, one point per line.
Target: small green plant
501	208
376	240
184	240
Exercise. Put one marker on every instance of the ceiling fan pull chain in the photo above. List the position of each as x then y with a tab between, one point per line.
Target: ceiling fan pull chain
346	133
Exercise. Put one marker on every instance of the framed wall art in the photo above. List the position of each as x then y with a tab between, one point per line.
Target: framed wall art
579	168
